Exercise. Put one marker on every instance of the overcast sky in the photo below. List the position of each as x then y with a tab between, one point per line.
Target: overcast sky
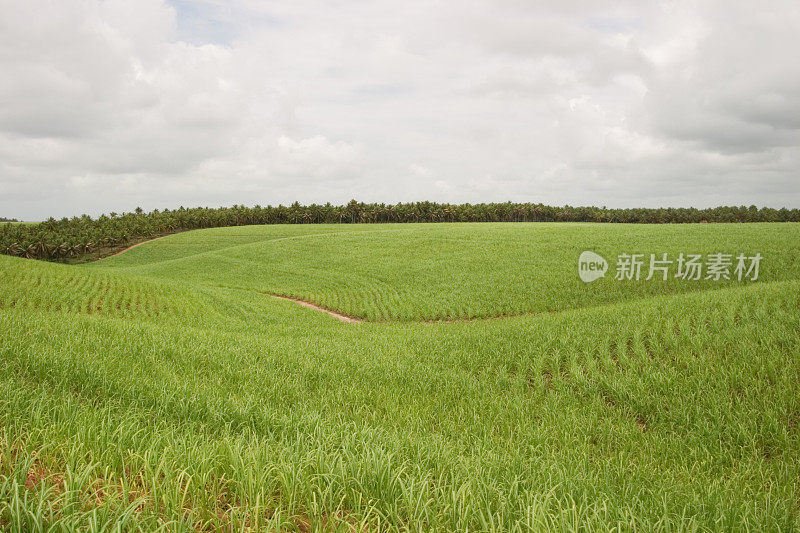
109	105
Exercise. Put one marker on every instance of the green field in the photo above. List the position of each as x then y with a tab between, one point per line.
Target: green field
487	388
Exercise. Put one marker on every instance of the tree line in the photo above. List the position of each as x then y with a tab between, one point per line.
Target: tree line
86	237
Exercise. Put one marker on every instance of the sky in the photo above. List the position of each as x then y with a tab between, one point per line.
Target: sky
111	105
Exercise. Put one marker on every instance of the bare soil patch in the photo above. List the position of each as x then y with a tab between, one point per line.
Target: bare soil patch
134	246
304	303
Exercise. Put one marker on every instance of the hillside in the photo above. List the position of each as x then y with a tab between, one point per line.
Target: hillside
165	387
421	271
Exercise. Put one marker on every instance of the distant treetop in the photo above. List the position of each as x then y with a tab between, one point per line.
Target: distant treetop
82	236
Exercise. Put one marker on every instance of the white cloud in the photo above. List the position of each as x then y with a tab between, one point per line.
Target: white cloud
315	157
420	171
111	104
442	185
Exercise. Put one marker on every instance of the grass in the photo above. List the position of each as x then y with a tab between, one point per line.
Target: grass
417	272
159	389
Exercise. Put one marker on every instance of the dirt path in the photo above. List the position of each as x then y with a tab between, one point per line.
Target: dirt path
340	316
353	320
133	246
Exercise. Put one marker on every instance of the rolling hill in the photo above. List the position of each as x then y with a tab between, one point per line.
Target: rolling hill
487	388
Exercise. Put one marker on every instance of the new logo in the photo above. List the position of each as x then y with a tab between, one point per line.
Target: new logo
591	266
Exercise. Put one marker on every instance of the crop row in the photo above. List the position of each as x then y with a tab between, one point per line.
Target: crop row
680	413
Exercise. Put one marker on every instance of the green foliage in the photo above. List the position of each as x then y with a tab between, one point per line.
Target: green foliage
86	237
184	405
449	271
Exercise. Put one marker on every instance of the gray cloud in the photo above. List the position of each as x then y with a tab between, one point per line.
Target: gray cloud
105	105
